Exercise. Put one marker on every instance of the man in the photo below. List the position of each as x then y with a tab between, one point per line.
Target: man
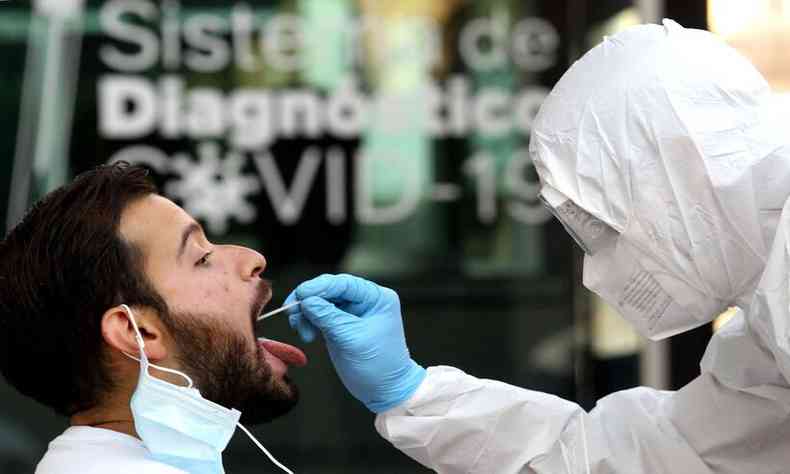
105	280
667	157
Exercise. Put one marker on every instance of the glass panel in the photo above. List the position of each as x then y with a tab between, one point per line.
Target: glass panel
387	139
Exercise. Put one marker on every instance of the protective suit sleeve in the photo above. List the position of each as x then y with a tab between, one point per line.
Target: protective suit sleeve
457	423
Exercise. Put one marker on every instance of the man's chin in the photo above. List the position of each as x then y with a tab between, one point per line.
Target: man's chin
275	402
233	374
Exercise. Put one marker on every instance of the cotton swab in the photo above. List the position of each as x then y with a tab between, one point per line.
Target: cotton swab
279	310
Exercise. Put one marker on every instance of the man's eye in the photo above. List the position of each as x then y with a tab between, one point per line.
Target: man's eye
203	261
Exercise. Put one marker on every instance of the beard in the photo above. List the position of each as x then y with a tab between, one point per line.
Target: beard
228	372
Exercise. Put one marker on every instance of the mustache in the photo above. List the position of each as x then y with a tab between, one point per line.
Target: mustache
265	289
262	296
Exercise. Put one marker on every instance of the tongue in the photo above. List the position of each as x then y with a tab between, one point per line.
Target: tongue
285	352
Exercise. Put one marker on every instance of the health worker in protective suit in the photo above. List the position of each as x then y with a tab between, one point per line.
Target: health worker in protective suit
665	155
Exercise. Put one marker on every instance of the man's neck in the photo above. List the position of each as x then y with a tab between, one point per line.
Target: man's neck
111	416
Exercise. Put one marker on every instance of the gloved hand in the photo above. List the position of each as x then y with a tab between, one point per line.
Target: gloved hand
362	326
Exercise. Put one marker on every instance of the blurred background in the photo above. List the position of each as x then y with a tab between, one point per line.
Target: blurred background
385	139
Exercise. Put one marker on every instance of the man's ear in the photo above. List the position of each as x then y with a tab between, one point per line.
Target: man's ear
118	332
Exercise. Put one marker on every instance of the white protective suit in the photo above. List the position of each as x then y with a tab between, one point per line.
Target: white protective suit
673	163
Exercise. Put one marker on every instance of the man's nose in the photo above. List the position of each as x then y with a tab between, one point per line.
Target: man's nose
251	263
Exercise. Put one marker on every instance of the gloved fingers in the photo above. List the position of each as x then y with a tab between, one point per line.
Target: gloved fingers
302	326
290	299
298	322
386	301
335	324
341	288
314	286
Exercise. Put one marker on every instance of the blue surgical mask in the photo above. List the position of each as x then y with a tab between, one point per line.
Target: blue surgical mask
177	425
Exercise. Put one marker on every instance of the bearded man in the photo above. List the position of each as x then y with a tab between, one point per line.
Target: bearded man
118	312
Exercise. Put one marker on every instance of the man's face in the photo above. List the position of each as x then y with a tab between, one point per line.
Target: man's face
214	293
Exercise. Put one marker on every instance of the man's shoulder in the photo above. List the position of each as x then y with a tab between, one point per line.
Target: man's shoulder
104	465
96	451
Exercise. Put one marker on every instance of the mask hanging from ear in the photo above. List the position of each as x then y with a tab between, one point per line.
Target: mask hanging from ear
178	426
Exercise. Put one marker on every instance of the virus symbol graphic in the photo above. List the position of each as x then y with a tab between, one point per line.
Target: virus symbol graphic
213	190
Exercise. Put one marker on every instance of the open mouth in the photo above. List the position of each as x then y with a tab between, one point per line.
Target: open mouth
277	354
261	300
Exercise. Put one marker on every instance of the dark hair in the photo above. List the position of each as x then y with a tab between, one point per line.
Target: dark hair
61	268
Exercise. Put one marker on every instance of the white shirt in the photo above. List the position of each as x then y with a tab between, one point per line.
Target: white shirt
88	450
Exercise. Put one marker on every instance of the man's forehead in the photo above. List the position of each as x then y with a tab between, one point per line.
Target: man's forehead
153	222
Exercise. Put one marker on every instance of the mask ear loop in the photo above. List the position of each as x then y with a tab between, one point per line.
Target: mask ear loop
141	343
260	446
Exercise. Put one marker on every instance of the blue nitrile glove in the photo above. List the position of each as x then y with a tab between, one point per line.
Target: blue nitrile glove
362	326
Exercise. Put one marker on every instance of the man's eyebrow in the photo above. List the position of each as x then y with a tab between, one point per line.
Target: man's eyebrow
188	231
